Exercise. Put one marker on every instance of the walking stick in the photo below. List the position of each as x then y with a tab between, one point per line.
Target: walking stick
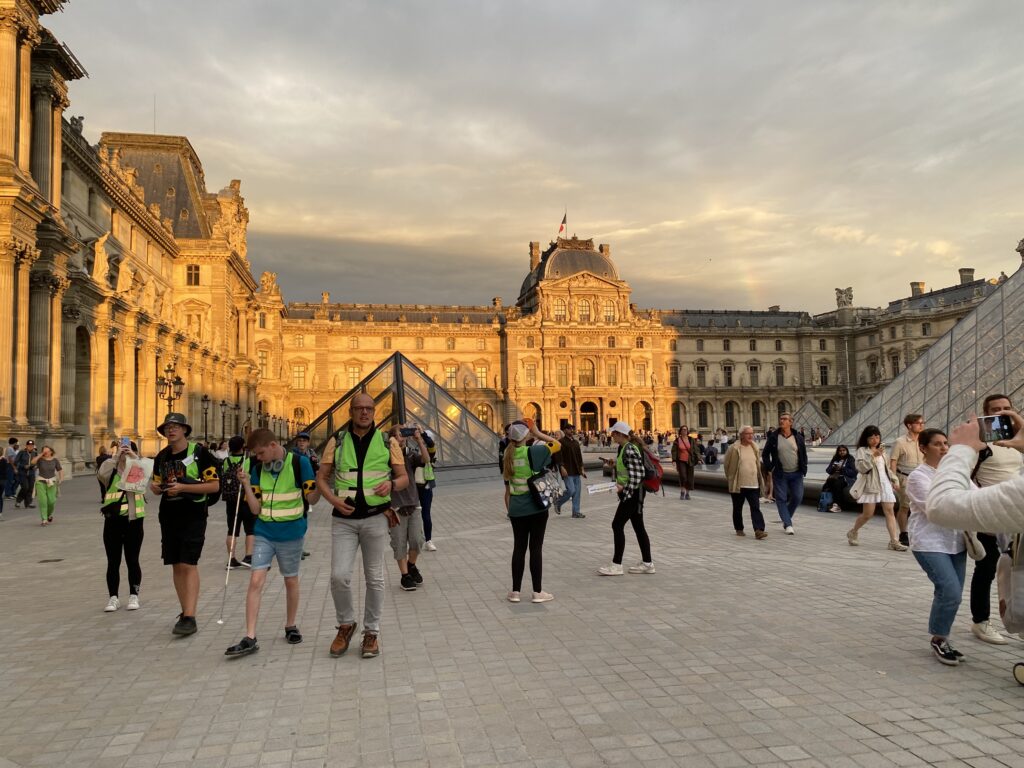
231	555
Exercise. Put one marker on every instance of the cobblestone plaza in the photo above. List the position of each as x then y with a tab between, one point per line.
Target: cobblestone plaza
796	650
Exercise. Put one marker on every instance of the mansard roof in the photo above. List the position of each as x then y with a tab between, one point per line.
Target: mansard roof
732	319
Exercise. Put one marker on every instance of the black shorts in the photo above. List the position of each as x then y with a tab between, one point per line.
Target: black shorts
182	535
248	518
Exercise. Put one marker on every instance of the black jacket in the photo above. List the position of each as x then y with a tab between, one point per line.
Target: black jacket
770	453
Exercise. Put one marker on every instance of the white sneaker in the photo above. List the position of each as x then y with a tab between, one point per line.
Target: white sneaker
542	597
835	508
112	604
983	631
430	547
513	597
133	603
610	570
789	530
642	568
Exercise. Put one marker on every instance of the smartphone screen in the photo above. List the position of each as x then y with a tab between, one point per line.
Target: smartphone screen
126	442
997	427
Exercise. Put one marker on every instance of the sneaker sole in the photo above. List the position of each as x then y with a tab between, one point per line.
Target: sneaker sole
1000	641
185	631
647	572
132	607
239	654
408	589
947	662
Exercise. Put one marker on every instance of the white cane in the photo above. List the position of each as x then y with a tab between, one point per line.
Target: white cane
231	554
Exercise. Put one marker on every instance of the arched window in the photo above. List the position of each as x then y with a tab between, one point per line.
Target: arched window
700	345
584	311
483	412
529	342
609	312
560	310
611	342
673	345
784	407
756	414
753	345
300	416
726	345
561	342
677	415
731	410
703	414
586	371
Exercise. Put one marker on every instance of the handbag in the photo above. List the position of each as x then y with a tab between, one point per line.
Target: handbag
975	549
1010	582
857	489
825	501
546	487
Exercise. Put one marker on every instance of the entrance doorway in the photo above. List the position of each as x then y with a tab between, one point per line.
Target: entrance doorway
588	417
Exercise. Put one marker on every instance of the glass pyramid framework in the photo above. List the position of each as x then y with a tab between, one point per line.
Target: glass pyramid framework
982	354
809	416
406	395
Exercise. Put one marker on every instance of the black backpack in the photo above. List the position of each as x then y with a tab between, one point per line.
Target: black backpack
230	488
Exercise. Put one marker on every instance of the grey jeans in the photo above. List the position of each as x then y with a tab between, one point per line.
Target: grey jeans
370	535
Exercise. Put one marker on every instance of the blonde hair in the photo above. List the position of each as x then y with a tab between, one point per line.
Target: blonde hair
508	468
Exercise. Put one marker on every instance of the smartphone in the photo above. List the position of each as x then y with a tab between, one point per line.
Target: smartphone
407	431
126	442
349	501
997	427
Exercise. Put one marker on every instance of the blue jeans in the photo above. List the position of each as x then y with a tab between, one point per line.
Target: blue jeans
947	574
573	488
789	492
11	485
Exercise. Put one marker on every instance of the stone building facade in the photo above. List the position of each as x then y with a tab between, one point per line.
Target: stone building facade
575	348
115	263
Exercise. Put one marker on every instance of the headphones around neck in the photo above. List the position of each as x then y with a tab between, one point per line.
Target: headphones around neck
276	465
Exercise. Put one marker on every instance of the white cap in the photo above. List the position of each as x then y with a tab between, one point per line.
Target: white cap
621	426
518	432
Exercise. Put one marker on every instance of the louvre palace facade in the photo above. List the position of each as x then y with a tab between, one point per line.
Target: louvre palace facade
126	290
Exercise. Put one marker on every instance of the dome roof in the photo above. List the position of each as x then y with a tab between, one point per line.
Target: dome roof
568	257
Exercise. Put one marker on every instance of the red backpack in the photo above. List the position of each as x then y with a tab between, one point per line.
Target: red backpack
653	471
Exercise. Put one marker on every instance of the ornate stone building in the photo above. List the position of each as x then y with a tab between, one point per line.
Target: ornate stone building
575	348
115	262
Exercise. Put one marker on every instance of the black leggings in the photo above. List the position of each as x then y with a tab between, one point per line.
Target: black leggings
121	533
631	510
528	531
981	581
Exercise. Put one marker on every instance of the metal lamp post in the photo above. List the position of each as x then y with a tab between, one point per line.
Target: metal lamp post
238	410
170	387
223	419
206	410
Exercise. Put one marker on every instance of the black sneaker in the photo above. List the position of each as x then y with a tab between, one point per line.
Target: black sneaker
244	647
944	653
305	554
408	582
415	573
185	625
905	539
247	561
233	564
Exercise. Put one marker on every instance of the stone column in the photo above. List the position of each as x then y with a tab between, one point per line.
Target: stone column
60	103
42	137
28	42
7	266
99	387
68	358
58	285
126	404
39	346
250	335
23	265
9	25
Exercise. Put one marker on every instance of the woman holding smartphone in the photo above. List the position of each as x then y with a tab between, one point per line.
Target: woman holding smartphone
49	474
123	513
876	484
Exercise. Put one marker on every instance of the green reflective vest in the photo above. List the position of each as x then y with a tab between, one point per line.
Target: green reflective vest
428	471
521	471
281	496
376	467
192	472
621	473
114	494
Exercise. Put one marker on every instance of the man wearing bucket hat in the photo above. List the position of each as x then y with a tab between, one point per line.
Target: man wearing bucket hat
183	474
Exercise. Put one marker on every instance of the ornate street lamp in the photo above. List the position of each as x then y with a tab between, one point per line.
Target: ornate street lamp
169	387
206	409
223	418
238	428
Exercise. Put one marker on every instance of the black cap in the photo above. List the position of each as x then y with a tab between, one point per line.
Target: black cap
175	418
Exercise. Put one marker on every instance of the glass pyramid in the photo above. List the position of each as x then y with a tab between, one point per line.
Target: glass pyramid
809	416
982	354
406	395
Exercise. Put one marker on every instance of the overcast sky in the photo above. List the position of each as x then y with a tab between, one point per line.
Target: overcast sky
732	154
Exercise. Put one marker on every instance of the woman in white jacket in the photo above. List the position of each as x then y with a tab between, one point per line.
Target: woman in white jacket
876	484
953	503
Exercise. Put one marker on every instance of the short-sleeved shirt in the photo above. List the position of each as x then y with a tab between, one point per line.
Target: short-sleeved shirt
168	464
361	444
48	468
907	454
288	530
1004	464
523	504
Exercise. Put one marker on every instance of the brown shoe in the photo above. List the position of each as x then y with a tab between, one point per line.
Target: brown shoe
371	647
340	644
740	533
760	534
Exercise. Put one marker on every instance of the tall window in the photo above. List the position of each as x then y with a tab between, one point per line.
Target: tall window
531	374
353	342
894	361
613	375
262	358
755	375
483	412
753	345
298	377
560	310
892	332
640	374
639	342
562	374
871	340
702	415
727	375
419	342
529	342
263	320
872	370
354	376
780	375
481	345
826	408
778	345
451	376
730	414
611	342
726	345
387	342
756	415
673	345
926	329
561	342
584	311
481	376
609	312
673	376
192	274
449	343
300	341
823	375
700	345
702	376
587	375
783	407
822	345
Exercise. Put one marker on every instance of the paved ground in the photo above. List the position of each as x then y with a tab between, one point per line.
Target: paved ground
795	651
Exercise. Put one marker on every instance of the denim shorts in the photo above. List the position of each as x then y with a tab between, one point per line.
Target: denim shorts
289	555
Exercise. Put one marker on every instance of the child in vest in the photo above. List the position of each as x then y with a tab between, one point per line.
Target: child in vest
279	488
407	538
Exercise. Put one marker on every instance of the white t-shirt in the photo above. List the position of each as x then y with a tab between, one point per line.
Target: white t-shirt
1003	464
926	536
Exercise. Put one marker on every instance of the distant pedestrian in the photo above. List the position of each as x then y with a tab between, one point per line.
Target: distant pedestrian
234	498
425	484
123	514
49	476
6	470
10	454
876	484
842	474
905	458
529	520
629	475
26	470
685	455
570	466
407	538
744	473
785	458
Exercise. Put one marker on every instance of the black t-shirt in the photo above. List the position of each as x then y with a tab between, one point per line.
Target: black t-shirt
168	465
